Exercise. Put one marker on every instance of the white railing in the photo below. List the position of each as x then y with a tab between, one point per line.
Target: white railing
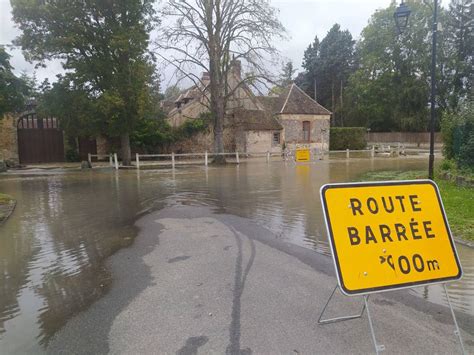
113	161
173	158
287	155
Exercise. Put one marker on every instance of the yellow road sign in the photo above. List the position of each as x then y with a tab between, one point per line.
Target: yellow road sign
303	155
388	235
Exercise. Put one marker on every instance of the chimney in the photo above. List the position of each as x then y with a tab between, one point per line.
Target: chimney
236	68
205	78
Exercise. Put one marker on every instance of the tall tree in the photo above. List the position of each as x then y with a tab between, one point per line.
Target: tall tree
459	68
212	35
328	65
390	89
103	46
13	90
285	78
308	80
287	73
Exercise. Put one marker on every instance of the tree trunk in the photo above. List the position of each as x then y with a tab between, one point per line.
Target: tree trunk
219	132
333	109
216	88
125	148
341	118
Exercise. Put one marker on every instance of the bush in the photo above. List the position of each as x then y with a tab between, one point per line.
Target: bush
458	136
151	134
72	155
193	126
347	138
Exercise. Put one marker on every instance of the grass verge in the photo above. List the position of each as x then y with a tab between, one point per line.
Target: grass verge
458	201
7	205
4	199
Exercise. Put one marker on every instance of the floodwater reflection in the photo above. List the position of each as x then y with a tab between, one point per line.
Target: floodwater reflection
53	248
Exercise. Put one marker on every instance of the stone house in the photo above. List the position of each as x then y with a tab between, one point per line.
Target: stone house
255	123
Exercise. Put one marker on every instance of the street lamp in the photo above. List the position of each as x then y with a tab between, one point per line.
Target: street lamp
401	19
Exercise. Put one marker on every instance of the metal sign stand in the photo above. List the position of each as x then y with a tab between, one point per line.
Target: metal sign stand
457	331
337	319
380	347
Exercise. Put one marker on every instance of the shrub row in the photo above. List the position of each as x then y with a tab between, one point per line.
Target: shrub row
347	138
458	136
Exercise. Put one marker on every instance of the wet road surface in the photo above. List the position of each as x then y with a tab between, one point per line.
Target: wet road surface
195	281
54	249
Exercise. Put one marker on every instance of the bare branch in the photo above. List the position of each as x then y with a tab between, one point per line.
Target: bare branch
214	35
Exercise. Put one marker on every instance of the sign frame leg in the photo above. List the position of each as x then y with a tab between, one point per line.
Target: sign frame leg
337	319
378	347
457	331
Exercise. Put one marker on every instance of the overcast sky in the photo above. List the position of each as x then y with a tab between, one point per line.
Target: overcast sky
303	19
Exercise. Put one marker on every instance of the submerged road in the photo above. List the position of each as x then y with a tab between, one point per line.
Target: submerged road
196	281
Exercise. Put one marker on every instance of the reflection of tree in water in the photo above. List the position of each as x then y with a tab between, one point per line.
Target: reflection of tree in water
72	226
16	251
77	277
14	256
74	282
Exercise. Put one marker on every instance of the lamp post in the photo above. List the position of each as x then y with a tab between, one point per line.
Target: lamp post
401	20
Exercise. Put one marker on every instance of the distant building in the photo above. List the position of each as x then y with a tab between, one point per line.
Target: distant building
256	123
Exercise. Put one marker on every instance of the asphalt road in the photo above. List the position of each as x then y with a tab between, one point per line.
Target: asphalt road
199	282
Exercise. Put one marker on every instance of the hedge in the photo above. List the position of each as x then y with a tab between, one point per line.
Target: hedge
347	138
458	136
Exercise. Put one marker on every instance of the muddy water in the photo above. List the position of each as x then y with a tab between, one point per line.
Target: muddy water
53	248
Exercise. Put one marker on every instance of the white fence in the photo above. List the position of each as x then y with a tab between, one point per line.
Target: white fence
113	160
175	159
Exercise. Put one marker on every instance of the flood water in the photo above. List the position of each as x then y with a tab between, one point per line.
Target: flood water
54	246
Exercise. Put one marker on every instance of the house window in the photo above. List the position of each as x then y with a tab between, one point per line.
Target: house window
276	138
306	130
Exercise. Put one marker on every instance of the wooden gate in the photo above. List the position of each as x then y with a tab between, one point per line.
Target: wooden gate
39	140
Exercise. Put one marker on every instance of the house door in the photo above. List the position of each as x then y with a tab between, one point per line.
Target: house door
39	140
306	131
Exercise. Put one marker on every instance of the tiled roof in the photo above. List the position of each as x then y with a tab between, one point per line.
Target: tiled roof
256	120
271	103
293	100
298	102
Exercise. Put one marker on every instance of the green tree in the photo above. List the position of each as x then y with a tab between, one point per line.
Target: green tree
328	65
458	136
172	91
459	67
390	89
13	90
103	46
287	73
307	79
285	78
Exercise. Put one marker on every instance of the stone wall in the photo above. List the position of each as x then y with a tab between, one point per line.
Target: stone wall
103	145
204	141
9	139
260	141
293	130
